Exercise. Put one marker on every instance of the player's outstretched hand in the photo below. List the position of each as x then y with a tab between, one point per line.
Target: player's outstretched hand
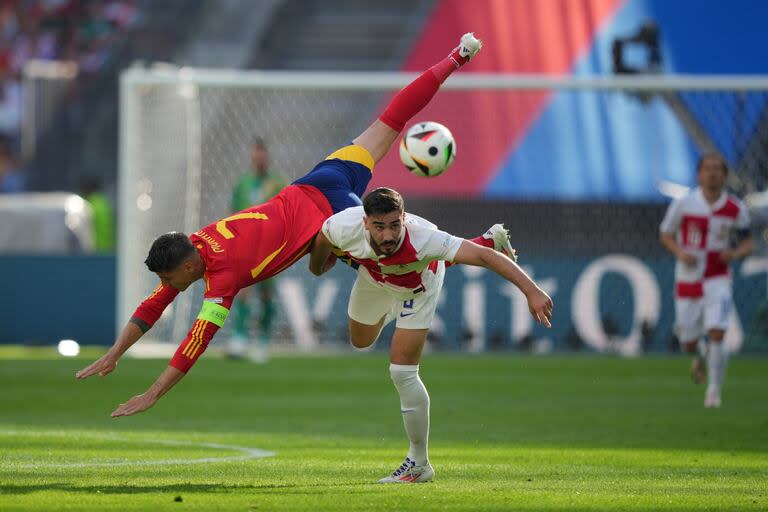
540	305
136	404
103	366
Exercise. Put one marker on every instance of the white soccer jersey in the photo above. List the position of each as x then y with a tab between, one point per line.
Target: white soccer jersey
411	268
703	230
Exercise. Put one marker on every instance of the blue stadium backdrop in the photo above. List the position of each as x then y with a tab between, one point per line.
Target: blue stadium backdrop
601	304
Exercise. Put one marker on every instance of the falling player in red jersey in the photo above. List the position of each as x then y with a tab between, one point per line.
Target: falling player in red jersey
262	241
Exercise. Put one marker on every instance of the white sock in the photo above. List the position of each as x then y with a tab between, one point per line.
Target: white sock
716	366
414	405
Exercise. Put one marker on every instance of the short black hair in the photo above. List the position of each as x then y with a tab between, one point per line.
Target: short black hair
383	200
168	251
709	155
259	142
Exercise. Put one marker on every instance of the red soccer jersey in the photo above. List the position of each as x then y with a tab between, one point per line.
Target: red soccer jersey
238	251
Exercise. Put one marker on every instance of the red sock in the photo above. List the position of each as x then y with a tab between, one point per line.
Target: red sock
485	242
479	240
415	96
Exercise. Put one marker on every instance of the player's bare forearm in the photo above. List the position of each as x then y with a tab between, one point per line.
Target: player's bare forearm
329	263
107	363
539	303
741	251
162	385
471	253
319	256
670	244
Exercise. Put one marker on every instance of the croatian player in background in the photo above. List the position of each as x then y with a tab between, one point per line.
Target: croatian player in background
262	241
402	260
697	230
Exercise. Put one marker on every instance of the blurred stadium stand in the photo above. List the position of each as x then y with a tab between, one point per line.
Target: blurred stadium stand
229	32
341	35
81	137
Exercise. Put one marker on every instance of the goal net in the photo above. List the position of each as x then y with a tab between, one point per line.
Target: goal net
522	140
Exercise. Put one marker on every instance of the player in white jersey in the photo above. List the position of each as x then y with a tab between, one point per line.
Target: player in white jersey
697	230
402	260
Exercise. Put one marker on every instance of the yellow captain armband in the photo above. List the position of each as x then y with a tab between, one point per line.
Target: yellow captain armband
354	153
214	313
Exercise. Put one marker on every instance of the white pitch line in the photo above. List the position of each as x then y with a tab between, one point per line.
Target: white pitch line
246	453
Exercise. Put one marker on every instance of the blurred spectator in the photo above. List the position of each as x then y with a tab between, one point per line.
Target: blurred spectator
573	340
10	106
673	343
9	24
756	338
94	33
31	43
11	175
496	341
611	330
526	343
102	215
647	333
122	14
81	31
435	340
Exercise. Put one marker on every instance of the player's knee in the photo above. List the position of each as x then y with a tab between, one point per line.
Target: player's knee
716	335
360	341
690	346
401	373
362	336
409	385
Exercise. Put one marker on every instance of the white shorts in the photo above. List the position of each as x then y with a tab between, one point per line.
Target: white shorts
369	302
695	317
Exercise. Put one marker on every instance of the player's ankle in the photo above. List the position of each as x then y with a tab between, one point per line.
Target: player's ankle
456	59
444	68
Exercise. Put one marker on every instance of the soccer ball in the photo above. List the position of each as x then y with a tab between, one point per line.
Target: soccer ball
427	149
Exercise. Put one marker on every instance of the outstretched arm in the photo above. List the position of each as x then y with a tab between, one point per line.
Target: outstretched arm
539	303
108	362
211	318
142	320
162	385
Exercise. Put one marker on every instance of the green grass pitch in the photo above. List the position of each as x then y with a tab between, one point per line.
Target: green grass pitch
508	433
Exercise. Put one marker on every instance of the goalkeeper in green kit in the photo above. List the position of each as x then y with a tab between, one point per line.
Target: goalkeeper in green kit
259	184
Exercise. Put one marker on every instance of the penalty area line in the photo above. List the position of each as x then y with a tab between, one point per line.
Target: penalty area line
244	452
